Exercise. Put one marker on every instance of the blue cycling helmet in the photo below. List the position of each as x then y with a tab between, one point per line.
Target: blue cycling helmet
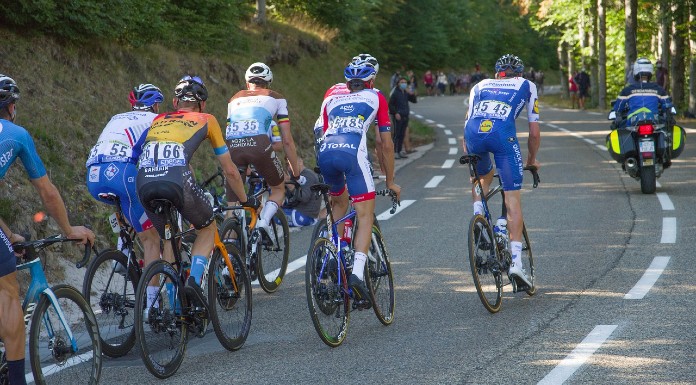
144	96
191	89
9	92
509	62
359	71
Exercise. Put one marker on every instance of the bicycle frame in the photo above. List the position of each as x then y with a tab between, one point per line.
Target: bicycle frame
335	239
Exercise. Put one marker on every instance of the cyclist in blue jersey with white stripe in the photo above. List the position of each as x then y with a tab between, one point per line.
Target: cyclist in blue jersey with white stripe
15	142
494	104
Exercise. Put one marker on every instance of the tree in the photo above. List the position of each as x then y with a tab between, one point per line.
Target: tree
630	36
260	16
602	53
692	63
677	66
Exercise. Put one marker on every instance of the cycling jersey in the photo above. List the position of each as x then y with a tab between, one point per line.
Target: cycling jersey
494	104
250	112
641	96
15	142
116	142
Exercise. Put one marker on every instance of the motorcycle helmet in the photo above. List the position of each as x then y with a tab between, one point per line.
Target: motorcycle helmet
509	62
191	89
9	92
258	71
144	96
642	67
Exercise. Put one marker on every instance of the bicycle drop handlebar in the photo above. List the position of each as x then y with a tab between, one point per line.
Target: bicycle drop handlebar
30	248
392	195
473	159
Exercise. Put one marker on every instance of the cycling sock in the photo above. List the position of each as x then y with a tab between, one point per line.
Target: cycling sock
516	249
198	263
269	210
478	208
15	372
359	265
152	292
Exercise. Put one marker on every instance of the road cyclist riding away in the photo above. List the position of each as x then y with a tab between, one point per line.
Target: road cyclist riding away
494	104
164	172
16	142
343	158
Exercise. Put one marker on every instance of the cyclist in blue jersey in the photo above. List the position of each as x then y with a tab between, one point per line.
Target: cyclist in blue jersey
494	104
15	142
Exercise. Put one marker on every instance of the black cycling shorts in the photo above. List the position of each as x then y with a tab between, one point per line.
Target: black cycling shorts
8	261
256	150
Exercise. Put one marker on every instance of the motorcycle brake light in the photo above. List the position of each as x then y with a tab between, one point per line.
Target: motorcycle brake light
645	129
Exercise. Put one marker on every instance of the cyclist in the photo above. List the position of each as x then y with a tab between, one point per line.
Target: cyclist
112	167
343	157
249	116
15	142
164	172
494	104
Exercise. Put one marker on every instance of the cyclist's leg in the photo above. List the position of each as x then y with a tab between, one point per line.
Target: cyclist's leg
484	167
11	314
271	169
196	209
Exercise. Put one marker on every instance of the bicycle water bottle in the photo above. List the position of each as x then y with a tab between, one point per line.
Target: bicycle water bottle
500	231
348	230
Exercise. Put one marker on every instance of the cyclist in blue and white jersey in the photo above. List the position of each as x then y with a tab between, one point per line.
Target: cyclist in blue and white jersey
494	104
343	157
15	142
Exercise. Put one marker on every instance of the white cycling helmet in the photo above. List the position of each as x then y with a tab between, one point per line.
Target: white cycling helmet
259	71
642	67
366	57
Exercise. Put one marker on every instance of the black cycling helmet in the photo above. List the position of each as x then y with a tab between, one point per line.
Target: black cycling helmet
9	92
191	89
509	62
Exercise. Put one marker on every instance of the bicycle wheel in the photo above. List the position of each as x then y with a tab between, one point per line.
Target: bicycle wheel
320	230
527	259
273	258
110	292
55	357
231	231
328	303
485	265
160	330
229	304
381	282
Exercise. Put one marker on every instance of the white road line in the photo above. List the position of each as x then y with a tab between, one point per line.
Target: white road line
453	151
419	116
451	141
292	266
448	163
590	141
429	121
552	125
669	230
434	181
649	278
55	368
441	126
593	113
602	147
412	113
665	201
563	129
657	184
578	356
448	132
386	215
575	134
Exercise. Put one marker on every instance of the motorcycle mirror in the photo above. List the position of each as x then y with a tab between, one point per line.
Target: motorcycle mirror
612	115
673	111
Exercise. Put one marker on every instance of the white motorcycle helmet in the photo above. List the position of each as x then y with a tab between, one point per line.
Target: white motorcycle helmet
642	67
259	71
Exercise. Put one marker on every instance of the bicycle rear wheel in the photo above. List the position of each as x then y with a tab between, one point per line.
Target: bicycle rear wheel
528	260
110	292
55	357
381	282
320	230
273	258
160	329
485	264
229	304
327	302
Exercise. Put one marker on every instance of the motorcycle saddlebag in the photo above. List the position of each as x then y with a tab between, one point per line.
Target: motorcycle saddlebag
678	135
620	144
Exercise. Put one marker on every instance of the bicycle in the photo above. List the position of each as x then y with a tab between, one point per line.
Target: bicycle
64	344
489	254
328	265
162	328
266	258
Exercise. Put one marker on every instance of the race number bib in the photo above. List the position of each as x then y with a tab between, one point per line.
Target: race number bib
109	151
347	124
492	109
162	154
241	128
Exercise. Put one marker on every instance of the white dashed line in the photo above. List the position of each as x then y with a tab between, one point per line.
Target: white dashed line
440	125
563	129
669	230
386	215
579	355
429	121
552	125
602	147
451	141
665	201
593	113
434	181
453	151
649	278
448	132
448	163
419	116
590	141
657	184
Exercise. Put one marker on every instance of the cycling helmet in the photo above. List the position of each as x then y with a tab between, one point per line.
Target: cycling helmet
366	57
510	62
359	71
144	96
9	92
642	67
258	71
191	89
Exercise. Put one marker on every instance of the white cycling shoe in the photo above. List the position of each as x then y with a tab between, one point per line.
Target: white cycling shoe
517	272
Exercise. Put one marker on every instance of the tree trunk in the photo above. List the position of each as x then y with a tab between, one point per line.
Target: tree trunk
665	30
602	54
692	61
677	66
593	53
630	36
261	11
562	68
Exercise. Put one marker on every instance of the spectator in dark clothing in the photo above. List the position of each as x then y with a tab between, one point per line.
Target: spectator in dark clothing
662	76
582	79
400	110
301	205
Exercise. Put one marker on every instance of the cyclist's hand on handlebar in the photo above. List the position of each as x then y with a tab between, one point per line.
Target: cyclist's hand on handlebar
82	233
535	164
252	202
301	180
397	190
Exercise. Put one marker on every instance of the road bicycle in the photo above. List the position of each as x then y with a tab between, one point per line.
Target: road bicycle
266	257
163	327
489	253
64	345
329	262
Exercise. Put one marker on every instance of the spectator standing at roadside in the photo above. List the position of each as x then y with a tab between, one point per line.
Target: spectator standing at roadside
400	110
452	81
441	83
662	76
573	90
583	81
429	82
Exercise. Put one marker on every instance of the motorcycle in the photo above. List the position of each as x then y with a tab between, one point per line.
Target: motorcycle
646	145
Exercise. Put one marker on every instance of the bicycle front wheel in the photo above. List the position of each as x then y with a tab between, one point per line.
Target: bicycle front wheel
381	282
527	259
229	297
273	256
64	345
110	291
484	263
328	303
160	329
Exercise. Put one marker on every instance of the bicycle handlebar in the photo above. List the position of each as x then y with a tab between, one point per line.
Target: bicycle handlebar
392	195
30	248
535	175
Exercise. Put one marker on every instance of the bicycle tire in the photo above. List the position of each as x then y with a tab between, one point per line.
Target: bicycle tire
273	260
484	262
320	230
51	356
223	300
528	259
162	321
231	231
381	280
328	303
111	296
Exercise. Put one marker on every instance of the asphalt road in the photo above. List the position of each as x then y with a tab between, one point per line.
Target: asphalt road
594	236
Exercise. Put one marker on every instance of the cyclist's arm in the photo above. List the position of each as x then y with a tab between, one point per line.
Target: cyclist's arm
533	143
56	208
289	146
234	179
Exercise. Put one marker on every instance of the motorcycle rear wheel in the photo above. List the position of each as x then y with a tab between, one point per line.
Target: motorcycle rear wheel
648	180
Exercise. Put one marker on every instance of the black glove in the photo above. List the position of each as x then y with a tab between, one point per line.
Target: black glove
252	202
